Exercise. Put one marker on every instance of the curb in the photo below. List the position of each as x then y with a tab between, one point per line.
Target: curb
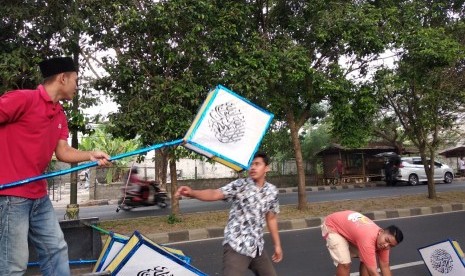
333	187
296	224
326	188
95	202
280	190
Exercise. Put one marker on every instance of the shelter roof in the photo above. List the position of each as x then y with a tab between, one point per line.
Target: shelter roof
458	151
372	148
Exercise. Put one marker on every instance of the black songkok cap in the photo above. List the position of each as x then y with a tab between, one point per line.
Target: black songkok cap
53	66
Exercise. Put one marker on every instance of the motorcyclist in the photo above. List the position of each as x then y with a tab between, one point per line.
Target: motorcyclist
137	186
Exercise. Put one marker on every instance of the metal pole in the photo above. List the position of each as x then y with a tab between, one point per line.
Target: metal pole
88	165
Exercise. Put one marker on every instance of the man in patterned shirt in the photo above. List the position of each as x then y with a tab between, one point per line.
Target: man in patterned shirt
254	201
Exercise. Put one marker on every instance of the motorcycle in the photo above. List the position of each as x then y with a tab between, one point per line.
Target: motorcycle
131	199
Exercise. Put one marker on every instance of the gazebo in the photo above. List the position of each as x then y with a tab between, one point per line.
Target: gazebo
360	164
457	152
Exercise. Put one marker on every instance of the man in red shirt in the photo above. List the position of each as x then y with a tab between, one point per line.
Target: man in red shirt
33	126
351	234
339	170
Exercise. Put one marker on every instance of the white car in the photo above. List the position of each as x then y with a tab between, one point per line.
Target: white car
411	170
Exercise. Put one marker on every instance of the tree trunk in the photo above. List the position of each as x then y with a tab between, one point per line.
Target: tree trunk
301	193
73	209
429	170
74	144
174	187
161	166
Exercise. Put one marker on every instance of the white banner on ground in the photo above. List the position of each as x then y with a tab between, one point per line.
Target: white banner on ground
444	258
141	256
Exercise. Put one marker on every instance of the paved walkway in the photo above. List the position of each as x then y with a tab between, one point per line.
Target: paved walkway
61	198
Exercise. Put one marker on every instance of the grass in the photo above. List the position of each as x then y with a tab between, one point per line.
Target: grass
150	225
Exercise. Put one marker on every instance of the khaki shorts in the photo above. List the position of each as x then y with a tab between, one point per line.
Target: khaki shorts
339	248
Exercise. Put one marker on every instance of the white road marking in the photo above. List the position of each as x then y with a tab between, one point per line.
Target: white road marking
394	267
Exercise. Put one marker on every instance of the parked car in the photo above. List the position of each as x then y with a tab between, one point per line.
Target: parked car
411	170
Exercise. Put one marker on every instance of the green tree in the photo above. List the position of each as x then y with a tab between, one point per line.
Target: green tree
100	139
289	61
283	55
426	91
159	75
315	139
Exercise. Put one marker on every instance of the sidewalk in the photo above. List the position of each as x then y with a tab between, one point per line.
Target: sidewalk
61	198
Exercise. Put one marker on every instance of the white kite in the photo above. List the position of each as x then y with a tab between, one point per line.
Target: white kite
228	129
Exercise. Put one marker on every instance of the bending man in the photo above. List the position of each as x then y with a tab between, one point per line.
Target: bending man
351	234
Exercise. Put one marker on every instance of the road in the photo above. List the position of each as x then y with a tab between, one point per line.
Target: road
305	252
108	212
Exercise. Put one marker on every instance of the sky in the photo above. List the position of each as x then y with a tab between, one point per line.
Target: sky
104	108
107	105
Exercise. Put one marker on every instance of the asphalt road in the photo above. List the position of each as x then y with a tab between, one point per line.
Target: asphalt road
108	212
305	252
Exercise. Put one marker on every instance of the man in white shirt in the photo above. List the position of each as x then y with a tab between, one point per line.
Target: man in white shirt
462	167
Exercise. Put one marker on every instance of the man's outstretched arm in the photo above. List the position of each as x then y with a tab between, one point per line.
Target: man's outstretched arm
204	195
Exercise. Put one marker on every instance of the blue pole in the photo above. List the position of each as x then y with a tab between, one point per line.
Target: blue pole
89	164
71	262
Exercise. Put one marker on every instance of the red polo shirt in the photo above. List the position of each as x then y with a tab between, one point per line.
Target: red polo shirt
360	231
30	127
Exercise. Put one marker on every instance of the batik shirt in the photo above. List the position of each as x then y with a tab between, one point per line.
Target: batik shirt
250	203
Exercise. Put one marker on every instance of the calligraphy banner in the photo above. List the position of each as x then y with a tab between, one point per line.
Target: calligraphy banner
113	245
228	129
141	256
444	258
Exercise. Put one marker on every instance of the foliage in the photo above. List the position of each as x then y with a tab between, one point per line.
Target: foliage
315	139
286	56
283	55
161	71
277	142
426	90
290	62
386	127
104	141
353	111
173	219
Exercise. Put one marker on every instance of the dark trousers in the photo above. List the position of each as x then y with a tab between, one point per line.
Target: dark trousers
235	264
